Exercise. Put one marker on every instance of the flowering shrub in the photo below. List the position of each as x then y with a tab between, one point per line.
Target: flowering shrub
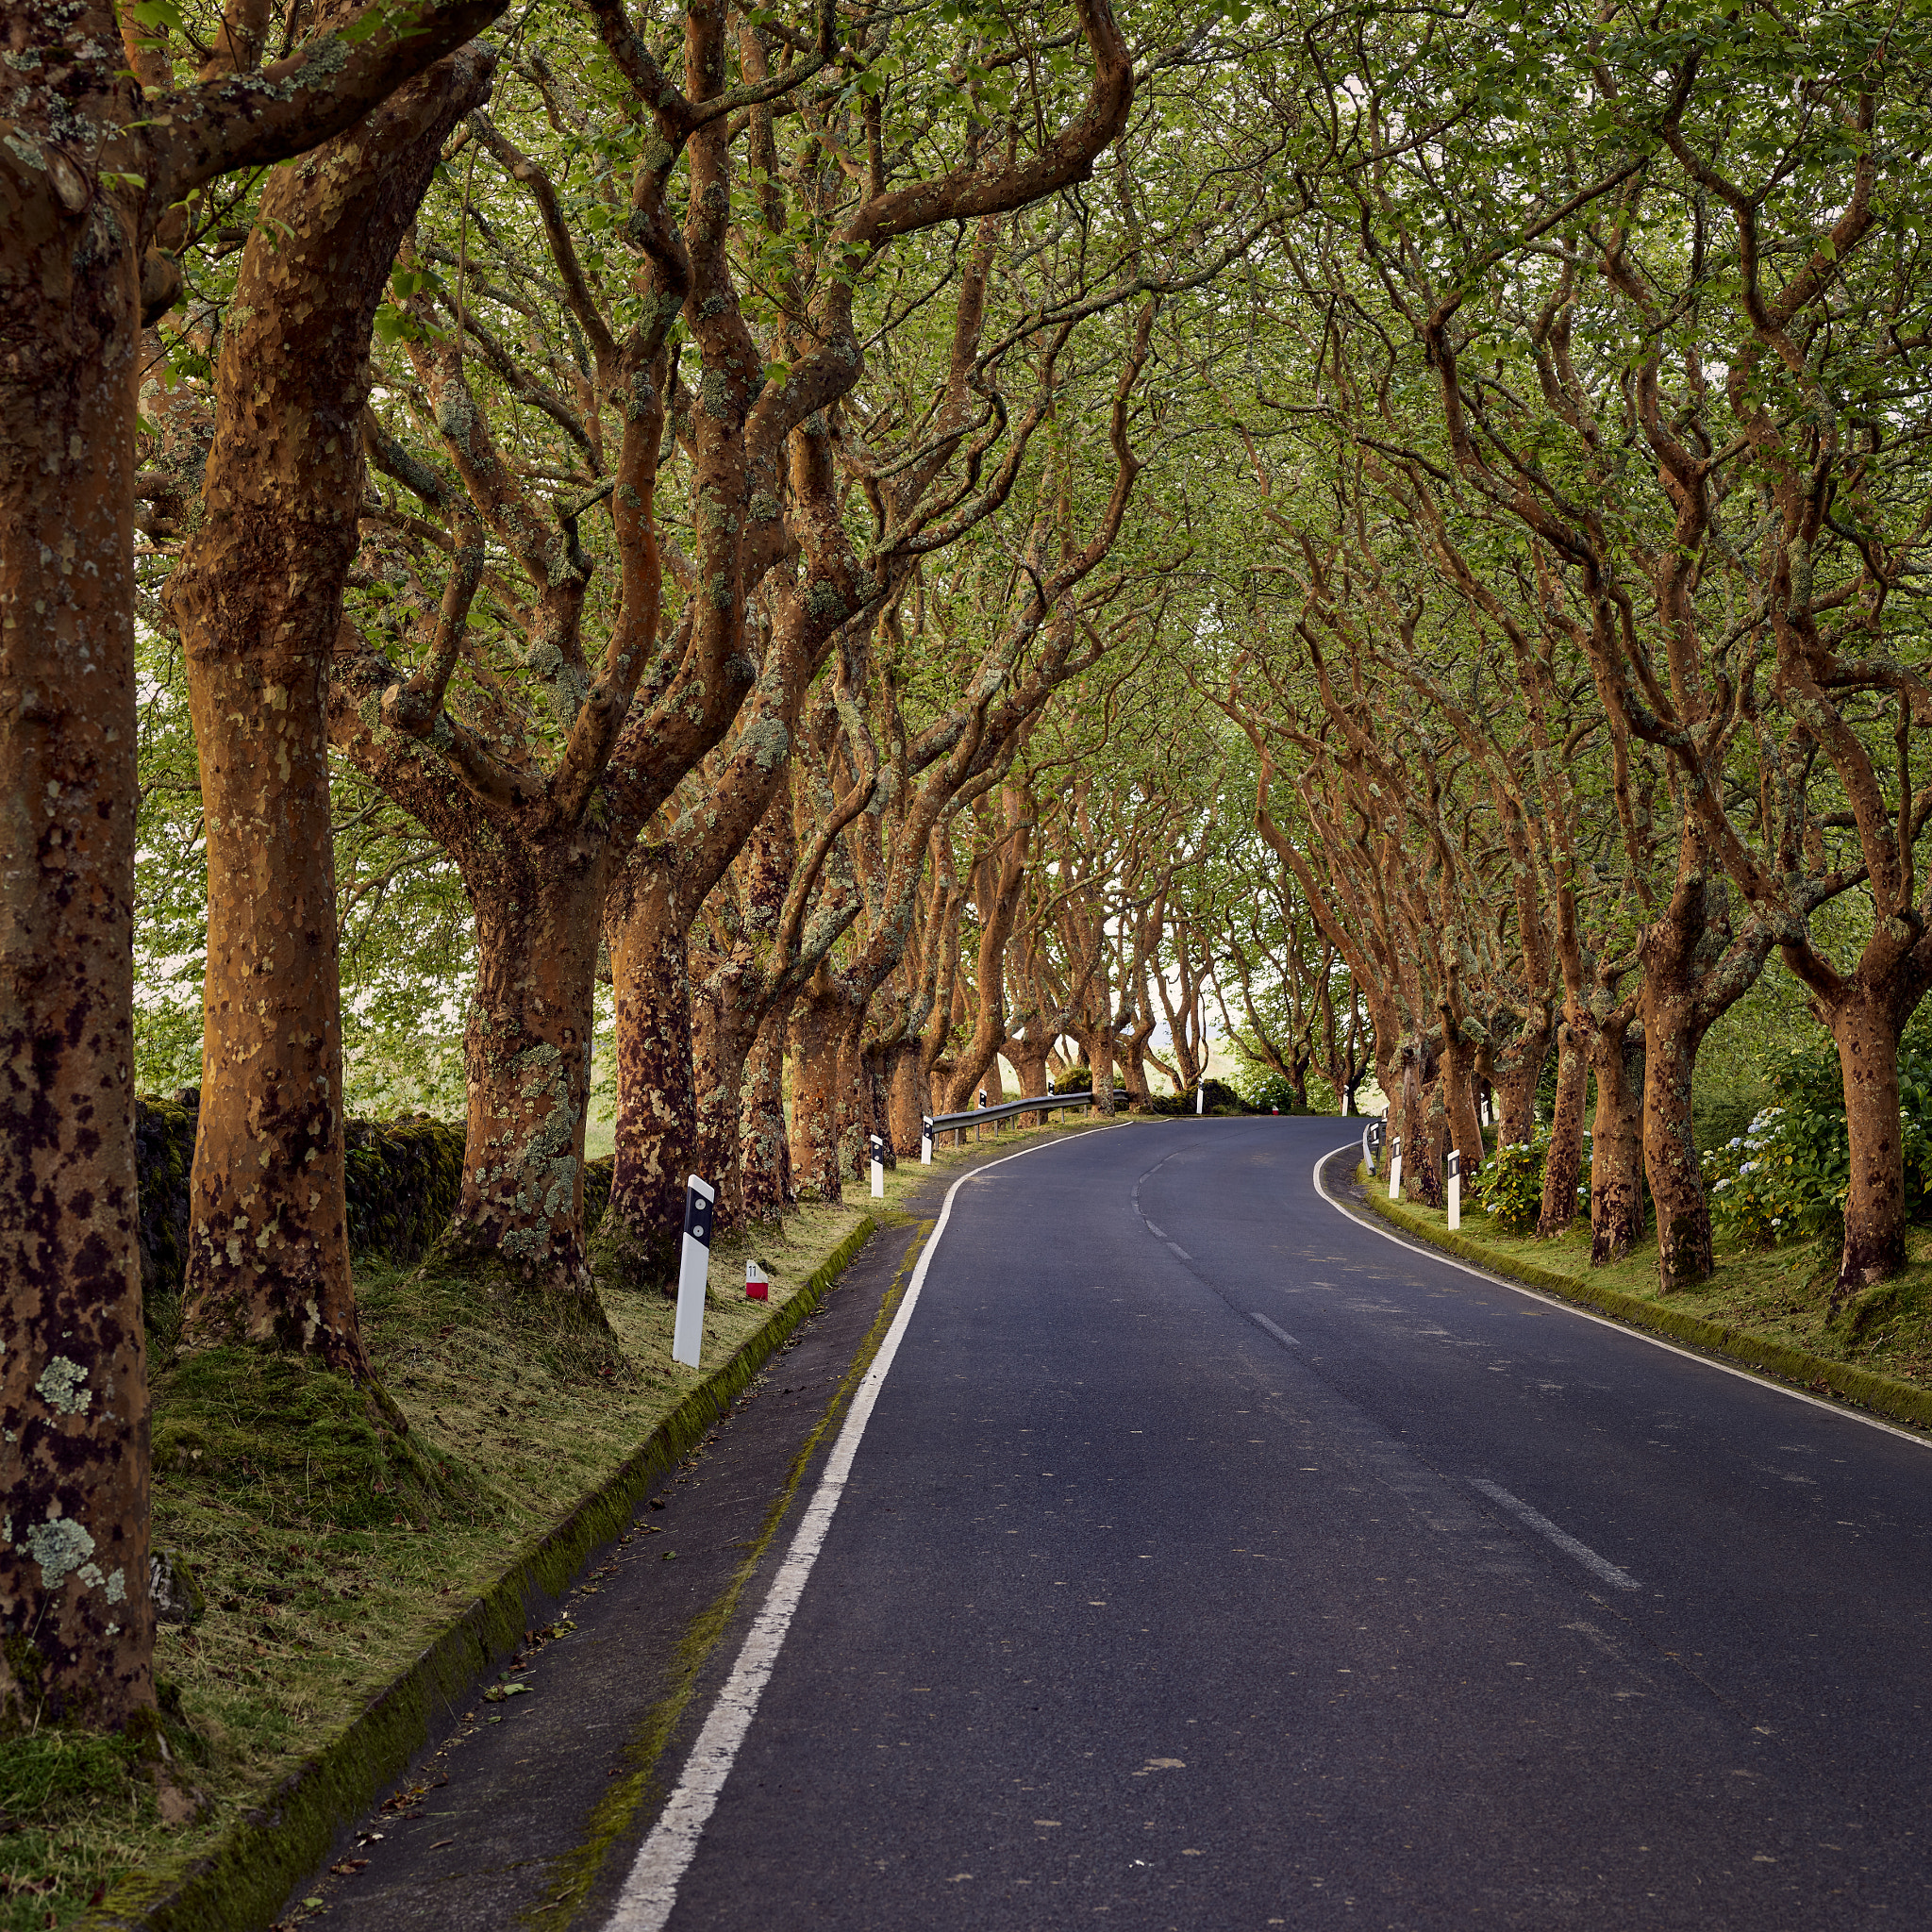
1759	1191
1785	1176
1510	1187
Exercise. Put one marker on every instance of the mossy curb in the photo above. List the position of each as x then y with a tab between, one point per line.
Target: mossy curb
241	1885
1884	1395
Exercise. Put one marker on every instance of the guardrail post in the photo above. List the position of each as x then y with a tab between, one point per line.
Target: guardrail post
688	1332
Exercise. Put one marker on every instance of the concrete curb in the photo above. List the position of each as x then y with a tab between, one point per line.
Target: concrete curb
1897	1401
241	1884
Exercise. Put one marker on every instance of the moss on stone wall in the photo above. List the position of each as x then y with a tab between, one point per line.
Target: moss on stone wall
403	1178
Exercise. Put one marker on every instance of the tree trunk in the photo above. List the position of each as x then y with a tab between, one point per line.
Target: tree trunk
639	1239
1564	1164
1422	1175
1099	1047
876	1087
1464	1123
1866	1034
74	1597
1616	1144
855	1102
1514	1085
764	1147
723	1027
905	1117
259	596
267	1248
817	1093
527	1059
1030	1076
1673	1030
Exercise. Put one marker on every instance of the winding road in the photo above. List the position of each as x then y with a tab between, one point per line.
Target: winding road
1209	1559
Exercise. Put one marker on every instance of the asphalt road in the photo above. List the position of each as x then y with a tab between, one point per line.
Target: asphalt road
1209	1560
1455	1609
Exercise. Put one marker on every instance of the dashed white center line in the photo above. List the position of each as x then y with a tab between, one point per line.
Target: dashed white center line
1280	1334
1599	1566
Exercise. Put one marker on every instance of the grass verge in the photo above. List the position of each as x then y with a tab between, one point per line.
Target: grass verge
1763	1307
353	1577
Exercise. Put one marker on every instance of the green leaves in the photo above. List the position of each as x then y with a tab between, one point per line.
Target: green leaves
164	14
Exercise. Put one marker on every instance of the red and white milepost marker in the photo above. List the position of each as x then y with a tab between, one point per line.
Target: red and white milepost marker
758	1284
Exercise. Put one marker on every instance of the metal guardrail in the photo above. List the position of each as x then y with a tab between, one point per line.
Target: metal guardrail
937	1124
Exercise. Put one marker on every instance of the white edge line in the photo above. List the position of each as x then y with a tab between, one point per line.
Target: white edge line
650	1889
1601	1566
1689	1355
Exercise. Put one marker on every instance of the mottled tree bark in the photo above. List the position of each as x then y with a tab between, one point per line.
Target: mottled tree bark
765	1149
1693	970
1458	1092
1616	1141
1866	1011
645	921
723	1027
818	1024
1422	1171
1029	1074
1866	1036
73	1387
1564	1164
905	1117
1514	1079
1866	1022
527	1062
88	170
258	595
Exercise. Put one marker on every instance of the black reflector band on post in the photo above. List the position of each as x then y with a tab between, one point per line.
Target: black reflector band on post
699	1199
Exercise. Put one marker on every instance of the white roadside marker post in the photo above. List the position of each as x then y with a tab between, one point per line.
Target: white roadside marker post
925	1140
1395	1168
688	1332
1372	1146
878	1167
1455	1188
1200	1099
